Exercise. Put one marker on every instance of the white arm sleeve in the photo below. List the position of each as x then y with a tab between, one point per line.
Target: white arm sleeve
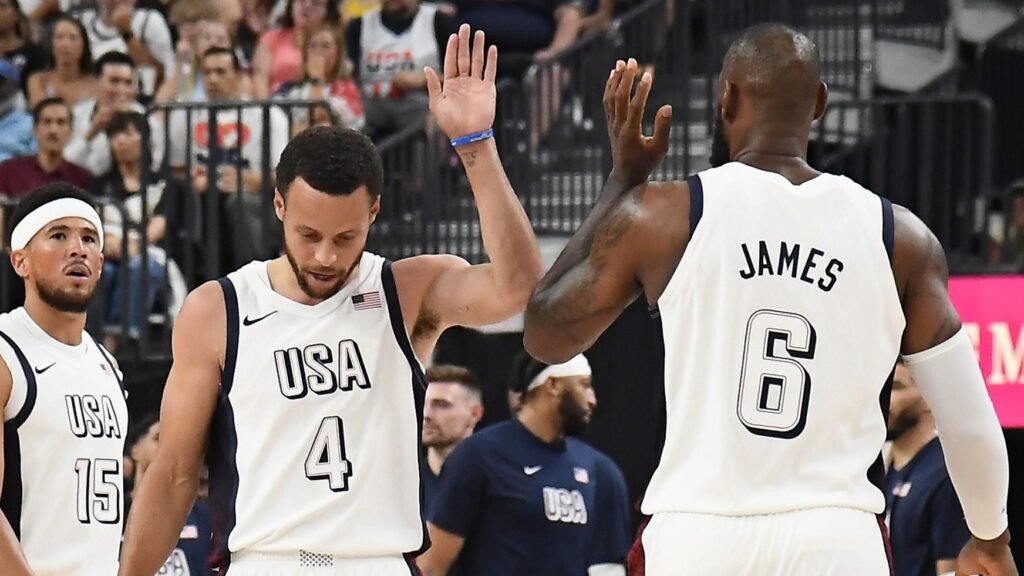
950	380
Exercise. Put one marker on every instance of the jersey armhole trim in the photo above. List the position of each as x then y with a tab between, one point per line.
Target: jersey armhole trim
30	383
696	213
888	227
227	375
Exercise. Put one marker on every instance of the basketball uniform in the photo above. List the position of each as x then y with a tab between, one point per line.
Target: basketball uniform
782	326
64	427
315	454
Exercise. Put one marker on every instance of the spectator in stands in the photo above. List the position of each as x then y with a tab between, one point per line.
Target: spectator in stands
16	44
52	125
150	203
526	497
525	31
255	21
71	77
326	77
195	542
452	408
926	523
16	137
389	48
186	83
278	57
117	26
237	156
116	92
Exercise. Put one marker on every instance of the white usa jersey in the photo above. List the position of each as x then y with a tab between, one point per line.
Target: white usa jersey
315	443
782	327
64	427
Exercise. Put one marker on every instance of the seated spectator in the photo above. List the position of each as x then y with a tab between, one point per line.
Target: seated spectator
143	34
16	44
390	47
52	126
188	17
525	31
71	77
16	138
255	21
235	150
156	209
278	57
116	92
186	83
326	77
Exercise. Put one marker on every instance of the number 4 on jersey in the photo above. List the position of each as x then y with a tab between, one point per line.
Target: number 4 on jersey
326	459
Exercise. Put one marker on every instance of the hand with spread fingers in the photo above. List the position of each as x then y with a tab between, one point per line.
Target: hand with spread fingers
463	102
634	156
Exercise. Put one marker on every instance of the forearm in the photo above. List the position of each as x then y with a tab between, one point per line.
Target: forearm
11	557
161	505
507	233
567	28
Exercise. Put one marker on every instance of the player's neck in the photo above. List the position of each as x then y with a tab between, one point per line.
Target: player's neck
785	155
540	424
912	441
64	327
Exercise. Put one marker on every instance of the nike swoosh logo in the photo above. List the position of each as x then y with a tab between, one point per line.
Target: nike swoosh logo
247	322
531	470
41	370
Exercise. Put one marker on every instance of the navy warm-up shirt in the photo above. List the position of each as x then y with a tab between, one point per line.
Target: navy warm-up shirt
528	507
926	522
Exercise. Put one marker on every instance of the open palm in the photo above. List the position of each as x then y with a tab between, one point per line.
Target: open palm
464	102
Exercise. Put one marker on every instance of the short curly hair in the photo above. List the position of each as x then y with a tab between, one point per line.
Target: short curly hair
333	160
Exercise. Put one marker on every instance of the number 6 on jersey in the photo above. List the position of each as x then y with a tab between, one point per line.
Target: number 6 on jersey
326	459
774	387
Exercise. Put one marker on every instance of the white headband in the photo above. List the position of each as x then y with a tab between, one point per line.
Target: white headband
39	218
577	366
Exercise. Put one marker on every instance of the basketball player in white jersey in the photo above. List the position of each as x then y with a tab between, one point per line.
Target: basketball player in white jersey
63	404
786	296
303	375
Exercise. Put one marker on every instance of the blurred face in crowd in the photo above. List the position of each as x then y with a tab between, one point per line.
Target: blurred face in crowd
144	450
62	264
324	235
126	145
308	13
576	404
68	44
111	5
117	85
399	7
220	77
450	412
325	45
212	33
8	16
53	130
906	405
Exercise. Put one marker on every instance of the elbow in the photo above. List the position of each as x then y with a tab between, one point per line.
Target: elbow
542	339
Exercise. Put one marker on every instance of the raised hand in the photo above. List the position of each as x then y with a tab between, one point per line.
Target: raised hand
634	156
464	103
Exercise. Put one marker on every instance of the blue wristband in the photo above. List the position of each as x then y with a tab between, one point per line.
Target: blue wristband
471	138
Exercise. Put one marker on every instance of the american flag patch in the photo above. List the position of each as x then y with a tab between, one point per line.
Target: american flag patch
581	475
366	300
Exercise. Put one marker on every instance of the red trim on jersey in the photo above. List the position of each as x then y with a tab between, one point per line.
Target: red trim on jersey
637	558
885	542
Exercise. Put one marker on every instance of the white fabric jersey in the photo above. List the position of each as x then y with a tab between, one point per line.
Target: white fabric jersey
315	445
240	140
64	428
385	53
782	326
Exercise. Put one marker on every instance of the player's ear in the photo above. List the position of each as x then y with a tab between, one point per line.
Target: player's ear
729	101
279	205
19	261
374	209
821	102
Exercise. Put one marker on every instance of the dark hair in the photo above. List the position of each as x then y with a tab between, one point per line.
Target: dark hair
286	21
22	26
85	63
44	195
138	430
124	120
222	51
524	369
449	373
46	103
333	160
114	58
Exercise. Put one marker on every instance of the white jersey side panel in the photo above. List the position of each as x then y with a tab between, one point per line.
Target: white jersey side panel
64	429
316	443
782	326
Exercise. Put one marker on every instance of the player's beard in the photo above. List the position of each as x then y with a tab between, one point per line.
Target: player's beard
300	275
64	299
574	415
901	423
719	141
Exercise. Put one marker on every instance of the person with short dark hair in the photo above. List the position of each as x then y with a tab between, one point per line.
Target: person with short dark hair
62	398
451	410
526	496
52	127
300	378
